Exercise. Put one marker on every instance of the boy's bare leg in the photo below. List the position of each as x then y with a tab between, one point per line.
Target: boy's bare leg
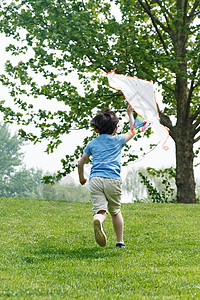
101	216
99	234
118	225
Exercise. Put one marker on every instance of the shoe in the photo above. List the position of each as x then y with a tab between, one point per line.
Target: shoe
120	245
99	234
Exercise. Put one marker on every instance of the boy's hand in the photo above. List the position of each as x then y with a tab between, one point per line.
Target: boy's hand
129	110
83	181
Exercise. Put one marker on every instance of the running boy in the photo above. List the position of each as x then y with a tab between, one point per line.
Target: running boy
105	180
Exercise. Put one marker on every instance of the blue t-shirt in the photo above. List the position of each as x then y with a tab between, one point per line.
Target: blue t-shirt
106	154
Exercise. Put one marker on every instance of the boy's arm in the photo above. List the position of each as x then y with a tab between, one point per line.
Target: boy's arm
81	163
130	115
129	134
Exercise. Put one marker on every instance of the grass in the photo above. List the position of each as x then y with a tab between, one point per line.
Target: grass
48	252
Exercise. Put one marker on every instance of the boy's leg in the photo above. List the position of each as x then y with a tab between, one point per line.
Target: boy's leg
118	225
101	216
113	193
99	202
99	234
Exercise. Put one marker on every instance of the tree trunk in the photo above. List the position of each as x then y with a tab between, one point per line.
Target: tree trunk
183	131
184	165
184	145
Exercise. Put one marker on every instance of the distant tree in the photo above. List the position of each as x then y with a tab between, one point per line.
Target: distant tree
10	158
198	189
24	183
15	180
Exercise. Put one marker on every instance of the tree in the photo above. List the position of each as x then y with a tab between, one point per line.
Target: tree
15	180
10	158
154	40
25	183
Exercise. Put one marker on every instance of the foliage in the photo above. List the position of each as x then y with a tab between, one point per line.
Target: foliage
166	192
148	184
24	183
48	251
152	40
152	191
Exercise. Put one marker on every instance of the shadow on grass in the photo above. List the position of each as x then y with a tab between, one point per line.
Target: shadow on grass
47	253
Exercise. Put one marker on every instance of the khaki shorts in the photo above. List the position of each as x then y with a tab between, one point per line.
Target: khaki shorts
105	194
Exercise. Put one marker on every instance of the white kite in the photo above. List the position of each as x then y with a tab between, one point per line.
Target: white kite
140	95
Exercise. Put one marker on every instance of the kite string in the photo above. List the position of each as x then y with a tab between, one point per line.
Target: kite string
144	155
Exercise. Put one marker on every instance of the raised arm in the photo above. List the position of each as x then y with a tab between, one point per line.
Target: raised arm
129	134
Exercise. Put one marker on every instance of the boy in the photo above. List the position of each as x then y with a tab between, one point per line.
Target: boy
105	181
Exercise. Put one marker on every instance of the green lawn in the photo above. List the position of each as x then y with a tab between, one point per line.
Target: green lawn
47	251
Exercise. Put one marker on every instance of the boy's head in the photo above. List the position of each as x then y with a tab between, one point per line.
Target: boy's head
105	122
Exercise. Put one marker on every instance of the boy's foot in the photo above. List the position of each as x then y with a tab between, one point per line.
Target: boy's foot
120	245
99	234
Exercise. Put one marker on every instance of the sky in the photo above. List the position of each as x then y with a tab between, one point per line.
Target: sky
36	157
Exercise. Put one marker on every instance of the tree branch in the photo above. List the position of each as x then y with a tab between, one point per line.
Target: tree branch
148	10
196	124
195	115
185	10
192	86
156	80
155	21
166	11
197	131
197	84
165	120
192	13
190	92
197	139
83	4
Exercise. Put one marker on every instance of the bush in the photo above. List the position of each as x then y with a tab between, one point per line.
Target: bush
69	192
165	182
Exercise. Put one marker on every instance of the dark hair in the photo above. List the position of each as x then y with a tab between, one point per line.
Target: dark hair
105	122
